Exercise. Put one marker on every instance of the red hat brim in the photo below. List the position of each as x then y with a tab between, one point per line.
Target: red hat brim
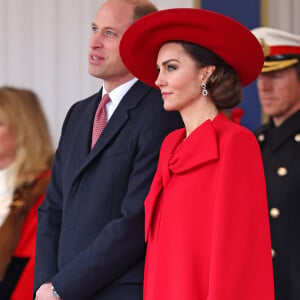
224	36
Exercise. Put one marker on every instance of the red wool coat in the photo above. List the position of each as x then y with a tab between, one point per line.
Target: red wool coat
206	218
26	249
17	242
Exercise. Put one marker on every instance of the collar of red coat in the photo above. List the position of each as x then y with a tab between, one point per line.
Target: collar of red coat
199	148
180	155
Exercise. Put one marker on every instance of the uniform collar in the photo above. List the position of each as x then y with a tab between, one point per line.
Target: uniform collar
278	135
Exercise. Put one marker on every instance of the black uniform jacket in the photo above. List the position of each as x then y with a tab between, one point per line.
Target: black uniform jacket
280	148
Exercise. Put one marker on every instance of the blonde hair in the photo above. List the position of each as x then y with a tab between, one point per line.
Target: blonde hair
23	114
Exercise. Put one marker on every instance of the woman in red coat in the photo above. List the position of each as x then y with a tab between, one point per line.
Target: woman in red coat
25	159
206	213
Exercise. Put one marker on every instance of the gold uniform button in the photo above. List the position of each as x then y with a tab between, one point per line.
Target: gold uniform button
261	137
282	171
273	252
297	137
274	212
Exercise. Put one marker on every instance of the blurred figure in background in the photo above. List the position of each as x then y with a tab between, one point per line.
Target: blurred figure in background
279	95
25	160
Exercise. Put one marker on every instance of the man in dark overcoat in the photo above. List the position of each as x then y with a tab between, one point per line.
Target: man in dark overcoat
90	236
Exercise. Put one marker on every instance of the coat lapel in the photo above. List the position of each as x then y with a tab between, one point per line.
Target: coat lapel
81	144
84	136
113	127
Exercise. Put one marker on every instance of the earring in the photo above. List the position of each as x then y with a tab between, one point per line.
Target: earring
204	90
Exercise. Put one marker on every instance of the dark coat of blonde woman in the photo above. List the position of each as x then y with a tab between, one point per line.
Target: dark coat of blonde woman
206	218
25	160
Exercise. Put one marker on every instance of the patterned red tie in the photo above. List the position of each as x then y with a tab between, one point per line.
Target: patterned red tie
100	119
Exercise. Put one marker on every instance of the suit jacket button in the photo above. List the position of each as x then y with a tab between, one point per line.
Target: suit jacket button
282	171
297	137
274	212
261	137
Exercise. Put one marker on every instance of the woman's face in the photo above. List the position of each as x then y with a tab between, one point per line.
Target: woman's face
8	142
179	77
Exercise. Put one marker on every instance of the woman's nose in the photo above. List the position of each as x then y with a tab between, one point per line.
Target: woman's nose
160	80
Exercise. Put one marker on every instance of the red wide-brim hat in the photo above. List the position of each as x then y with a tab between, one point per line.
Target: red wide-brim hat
224	36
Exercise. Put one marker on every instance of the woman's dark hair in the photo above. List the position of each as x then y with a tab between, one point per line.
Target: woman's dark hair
223	85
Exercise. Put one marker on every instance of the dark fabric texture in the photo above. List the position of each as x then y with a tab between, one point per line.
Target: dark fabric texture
280	147
12	275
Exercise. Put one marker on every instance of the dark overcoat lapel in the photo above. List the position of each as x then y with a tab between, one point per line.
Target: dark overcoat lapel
115	124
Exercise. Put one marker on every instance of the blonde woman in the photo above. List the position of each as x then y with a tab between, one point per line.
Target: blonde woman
25	160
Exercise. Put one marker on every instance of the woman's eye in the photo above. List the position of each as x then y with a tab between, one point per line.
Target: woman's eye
171	68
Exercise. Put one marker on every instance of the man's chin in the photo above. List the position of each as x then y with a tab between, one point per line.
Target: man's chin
94	74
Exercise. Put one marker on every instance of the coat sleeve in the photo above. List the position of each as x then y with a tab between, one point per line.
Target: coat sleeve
241	263
49	223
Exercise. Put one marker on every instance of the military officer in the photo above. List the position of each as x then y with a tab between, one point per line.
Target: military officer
279	95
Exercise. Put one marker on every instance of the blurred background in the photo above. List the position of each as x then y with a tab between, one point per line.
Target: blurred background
44	46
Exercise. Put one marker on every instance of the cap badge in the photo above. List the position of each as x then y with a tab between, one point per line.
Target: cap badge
265	46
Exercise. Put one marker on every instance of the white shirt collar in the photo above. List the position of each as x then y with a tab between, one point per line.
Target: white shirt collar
117	95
